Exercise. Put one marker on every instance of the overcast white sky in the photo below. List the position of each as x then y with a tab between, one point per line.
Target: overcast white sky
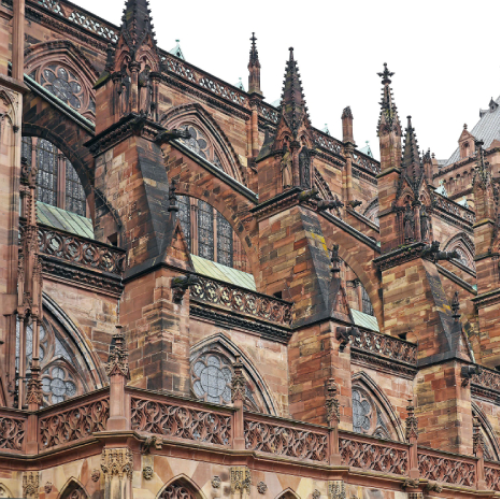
444	54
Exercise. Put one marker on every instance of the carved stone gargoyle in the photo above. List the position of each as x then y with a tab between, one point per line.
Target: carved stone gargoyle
467	372
180	285
355	203
344	335
309	194
151	442
328	204
168	135
432	252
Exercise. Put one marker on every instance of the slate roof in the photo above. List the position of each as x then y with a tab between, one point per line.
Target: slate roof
487	129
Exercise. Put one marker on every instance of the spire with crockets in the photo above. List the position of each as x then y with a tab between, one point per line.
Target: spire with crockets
137	25
389	118
254	68
293	103
411	164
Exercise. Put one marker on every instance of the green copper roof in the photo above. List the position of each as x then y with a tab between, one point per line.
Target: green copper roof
365	320
223	273
64	220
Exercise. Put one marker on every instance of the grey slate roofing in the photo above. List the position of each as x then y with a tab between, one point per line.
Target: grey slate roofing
487	129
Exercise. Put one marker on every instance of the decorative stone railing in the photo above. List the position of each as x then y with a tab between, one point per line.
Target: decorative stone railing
12	432
206	428
326	141
492	476
450	469
73	421
372	454
242	301
367	163
454	209
287	439
81	18
181	421
489	379
269	112
78	250
384	345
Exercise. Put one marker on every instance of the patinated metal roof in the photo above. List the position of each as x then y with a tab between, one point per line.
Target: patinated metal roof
223	273
64	220
365	321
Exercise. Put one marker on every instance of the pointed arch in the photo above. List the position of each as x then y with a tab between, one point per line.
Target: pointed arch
63	62
222	345
84	353
492	446
463	244
222	150
5	492
371	211
288	493
381	407
180	486
73	489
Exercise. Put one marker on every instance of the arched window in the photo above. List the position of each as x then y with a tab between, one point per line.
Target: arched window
198	143
58	181
209	234
61	369
74	491
180	488
211	363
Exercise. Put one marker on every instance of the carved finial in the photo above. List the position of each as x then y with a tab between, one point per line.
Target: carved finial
347	113
478	442
291	53
455	305
335	259
411	423
118	355
172	198
332	403
465	126
386	75
238	382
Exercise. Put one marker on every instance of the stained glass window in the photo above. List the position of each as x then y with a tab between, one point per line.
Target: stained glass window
75	195
27	148
367	303
47	172
224	241
367	417
197	142
58	384
205	230
184	215
63	84
212	379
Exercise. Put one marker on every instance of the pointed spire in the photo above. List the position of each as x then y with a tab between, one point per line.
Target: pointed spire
389	118
254	68
411	163
293	105
137	24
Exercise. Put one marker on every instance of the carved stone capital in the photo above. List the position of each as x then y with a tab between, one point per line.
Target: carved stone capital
336	489
31	485
240	479
116	462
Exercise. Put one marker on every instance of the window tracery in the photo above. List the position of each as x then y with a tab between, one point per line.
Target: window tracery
60	379
224	241
184	215
63	84
205	230
197	142
368	417
176	490
58	182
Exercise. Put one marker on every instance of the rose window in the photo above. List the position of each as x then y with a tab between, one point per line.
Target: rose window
197	142
211	379
367	416
58	385
63	84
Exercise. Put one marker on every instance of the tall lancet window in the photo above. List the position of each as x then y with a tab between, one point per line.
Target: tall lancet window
58	182
205	230
47	172
224	241
184	216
